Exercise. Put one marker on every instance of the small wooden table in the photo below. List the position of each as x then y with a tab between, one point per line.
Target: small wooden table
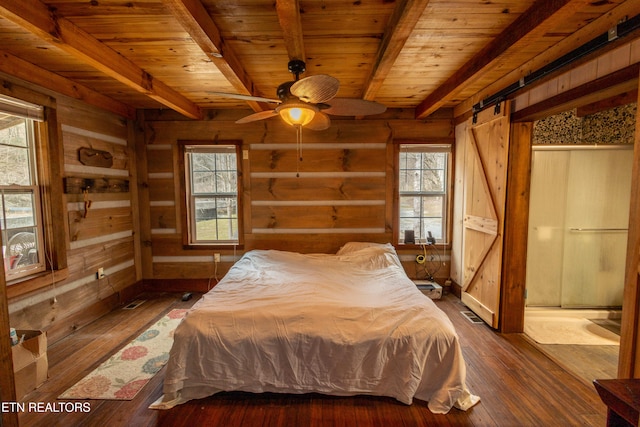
622	397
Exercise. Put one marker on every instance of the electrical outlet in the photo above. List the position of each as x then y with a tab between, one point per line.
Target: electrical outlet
100	274
216	257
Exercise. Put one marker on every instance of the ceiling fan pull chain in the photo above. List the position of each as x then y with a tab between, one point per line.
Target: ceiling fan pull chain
300	142
298	149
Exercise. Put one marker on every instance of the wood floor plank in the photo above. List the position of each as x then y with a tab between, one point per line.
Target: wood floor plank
518	384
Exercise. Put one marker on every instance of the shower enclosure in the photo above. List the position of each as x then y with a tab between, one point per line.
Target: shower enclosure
578	220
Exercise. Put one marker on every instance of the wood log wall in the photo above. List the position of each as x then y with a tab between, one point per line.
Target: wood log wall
344	191
99	229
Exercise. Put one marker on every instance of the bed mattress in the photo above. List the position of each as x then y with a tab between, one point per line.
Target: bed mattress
344	324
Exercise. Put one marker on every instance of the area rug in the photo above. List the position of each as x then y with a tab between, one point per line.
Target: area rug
568	330
125	373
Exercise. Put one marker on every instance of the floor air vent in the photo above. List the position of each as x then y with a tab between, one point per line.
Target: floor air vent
134	304
471	316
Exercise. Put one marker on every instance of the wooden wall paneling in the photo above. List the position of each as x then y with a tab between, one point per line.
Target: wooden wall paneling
178	191
341	131
412	129
514	255
73	142
592	91
26	313
629	356
247	188
79	115
161	187
171	260
344	190
289	187
86	260
35	303
73	185
115	282
163	216
160	158
51	146
171	245
109	253
98	222
348	158
608	68
143	199
134	139
318	216
189	270
391	194
76	320
102	239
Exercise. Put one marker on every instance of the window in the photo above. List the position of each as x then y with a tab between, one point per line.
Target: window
20	211
423	189
211	182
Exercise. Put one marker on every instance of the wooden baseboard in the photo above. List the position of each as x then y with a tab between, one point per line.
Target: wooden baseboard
178	285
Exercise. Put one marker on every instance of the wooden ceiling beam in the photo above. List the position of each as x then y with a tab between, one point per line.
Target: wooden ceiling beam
195	19
589	32
28	72
291	24
36	18
406	15
534	23
619	99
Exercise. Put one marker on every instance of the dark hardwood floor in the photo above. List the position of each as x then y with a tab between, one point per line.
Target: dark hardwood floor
518	384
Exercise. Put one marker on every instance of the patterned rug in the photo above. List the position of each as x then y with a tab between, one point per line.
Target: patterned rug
125	373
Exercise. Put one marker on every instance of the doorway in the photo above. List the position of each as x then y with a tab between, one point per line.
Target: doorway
577	239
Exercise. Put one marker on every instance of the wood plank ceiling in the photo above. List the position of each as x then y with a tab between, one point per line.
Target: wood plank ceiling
420	55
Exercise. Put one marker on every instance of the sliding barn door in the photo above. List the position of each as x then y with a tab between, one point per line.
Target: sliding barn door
484	190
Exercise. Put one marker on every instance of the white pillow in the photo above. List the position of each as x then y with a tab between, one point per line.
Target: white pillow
356	246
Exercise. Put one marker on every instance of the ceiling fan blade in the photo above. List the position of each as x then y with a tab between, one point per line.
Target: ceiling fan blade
315	89
261	115
244	97
320	122
354	107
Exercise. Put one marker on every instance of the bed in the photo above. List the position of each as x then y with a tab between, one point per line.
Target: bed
346	324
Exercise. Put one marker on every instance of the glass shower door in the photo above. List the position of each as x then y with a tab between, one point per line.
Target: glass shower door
595	227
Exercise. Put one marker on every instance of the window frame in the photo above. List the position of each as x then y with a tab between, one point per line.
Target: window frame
447	209
50	156
33	188
186	197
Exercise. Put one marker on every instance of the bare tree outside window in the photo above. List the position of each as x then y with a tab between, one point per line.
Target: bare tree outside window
19	198
213	178
423	188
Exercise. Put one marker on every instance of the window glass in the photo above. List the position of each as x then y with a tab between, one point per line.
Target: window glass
423	180
19	198
213	194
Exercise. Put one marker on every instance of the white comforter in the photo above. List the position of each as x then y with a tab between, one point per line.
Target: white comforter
344	324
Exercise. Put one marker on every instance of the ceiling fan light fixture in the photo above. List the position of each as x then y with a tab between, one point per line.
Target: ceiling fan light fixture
297	113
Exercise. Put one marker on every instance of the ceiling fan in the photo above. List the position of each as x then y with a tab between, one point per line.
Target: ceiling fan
308	102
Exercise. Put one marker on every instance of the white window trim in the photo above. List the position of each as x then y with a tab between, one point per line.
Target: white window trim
190	198
40	266
447	194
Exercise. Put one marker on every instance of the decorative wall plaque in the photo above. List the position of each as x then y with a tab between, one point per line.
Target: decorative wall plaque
90	157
